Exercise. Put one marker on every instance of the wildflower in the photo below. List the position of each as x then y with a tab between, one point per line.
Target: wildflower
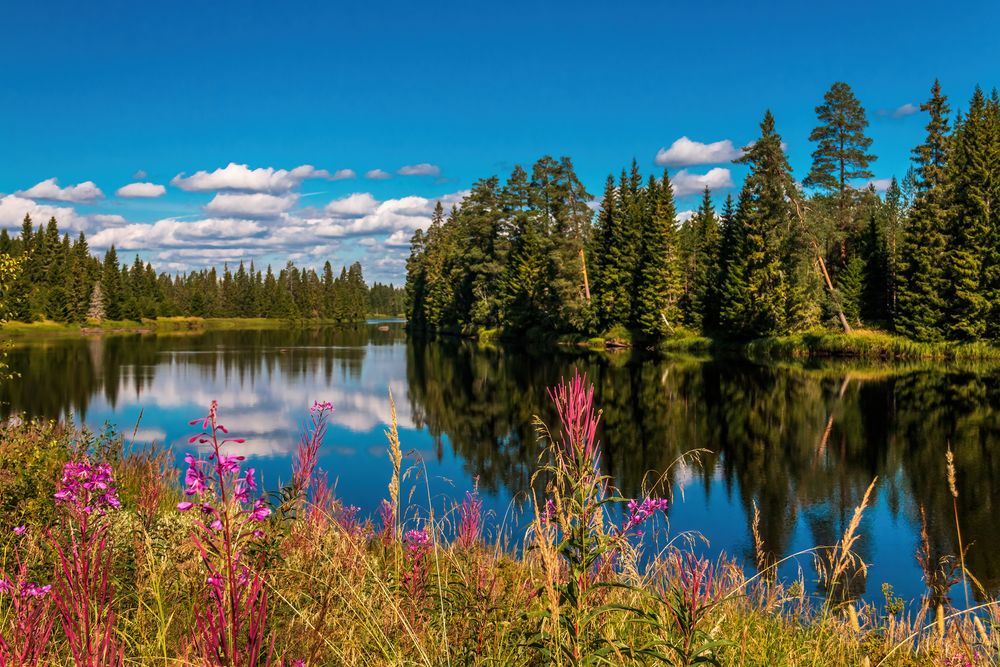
184	506
20	530
216	525
640	512
229	463
32	590
321	406
417	543
470	522
88	488
4	585
195	479
574	402
260	511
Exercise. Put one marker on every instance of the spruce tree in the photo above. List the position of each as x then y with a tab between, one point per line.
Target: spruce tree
705	265
111	285
923	283
973	169
659	286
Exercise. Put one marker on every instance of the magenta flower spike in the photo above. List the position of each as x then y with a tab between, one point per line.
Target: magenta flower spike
574	401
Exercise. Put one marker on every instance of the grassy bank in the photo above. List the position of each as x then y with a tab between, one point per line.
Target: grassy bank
184	566
159	325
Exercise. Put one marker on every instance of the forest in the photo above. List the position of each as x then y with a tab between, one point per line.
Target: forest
60	280
921	259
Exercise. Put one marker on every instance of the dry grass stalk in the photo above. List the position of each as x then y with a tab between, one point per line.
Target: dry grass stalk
396	457
953	487
842	555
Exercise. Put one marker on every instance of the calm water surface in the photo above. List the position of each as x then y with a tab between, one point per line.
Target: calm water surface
801	441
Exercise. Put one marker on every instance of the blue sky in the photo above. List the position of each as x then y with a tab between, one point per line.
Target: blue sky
103	95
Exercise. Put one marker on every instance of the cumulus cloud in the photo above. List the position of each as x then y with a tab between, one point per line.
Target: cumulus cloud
901	111
686	183
354	205
342	174
880	184
422	169
13	208
147	190
82	193
399	238
684	153
241	177
255	205
105	220
172	232
684	216
377	174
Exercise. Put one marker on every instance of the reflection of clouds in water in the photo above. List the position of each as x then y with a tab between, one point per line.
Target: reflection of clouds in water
269	398
146	435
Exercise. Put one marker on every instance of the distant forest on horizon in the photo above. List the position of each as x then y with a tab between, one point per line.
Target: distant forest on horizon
60	280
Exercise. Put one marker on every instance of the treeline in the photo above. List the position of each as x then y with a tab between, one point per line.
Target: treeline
922	259
61	280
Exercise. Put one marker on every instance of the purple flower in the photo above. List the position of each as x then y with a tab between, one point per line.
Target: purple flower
20	530
321	406
185	506
4	585
640	512
88	488
32	590
260	511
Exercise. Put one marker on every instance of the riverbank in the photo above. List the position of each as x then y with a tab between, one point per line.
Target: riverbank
158	325
867	344
412	584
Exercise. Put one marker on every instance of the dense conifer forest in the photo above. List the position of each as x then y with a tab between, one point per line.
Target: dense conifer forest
60	280
921	259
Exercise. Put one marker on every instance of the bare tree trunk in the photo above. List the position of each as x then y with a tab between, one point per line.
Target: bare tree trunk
826	276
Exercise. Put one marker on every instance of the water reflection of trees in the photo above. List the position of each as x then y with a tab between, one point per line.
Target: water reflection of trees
59	376
800	442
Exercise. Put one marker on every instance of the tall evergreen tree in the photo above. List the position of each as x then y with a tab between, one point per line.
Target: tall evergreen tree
923	284
659	289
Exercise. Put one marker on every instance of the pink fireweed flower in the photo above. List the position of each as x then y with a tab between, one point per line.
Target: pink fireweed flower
470	523
321	406
4	586
574	401
418	543
184	506
88	488
195	480
260	511
229	463
33	590
20	530
640	512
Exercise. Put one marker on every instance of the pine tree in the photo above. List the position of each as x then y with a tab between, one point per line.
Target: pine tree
705	269
659	286
733	297
764	214
111	285
923	285
974	167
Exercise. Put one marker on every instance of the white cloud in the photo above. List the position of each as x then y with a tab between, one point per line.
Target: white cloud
13	209
141	190
108	219
377	175
901	111
139	175
355	205
399	238
256	205
368	242
684	153
342	174
82	193
686	183
422	169
880	184
171	232
240	177
684	216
